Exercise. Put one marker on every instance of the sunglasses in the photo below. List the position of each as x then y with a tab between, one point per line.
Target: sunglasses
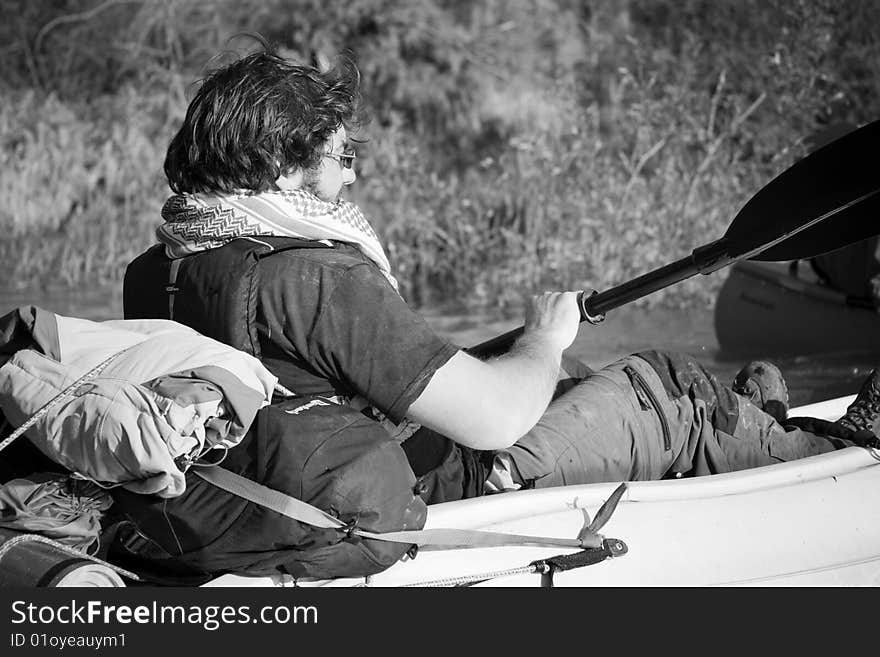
345	158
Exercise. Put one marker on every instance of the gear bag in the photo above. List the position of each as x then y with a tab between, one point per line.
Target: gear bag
310	448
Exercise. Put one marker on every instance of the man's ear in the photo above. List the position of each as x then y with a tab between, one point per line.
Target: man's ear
291	180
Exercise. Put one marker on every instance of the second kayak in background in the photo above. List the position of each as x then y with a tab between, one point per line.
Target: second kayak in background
781	309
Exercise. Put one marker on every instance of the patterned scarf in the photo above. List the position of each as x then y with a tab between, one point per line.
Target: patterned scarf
198	222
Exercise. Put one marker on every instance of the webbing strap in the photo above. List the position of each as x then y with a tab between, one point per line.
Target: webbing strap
453	539
267	497
172	288
429	539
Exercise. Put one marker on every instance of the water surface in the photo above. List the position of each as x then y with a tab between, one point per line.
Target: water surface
630	329
625	330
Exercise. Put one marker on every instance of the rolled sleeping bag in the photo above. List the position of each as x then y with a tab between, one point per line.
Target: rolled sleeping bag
32	560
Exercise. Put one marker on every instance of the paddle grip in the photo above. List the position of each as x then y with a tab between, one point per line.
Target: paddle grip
501	343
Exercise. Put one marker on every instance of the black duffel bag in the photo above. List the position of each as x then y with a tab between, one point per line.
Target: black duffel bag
310	448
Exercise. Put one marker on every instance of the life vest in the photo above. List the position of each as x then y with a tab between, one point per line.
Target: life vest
309	447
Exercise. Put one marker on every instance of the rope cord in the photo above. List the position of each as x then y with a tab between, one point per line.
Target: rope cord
465	580
64	394
33	419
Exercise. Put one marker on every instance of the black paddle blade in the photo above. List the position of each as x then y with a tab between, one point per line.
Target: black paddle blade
840	180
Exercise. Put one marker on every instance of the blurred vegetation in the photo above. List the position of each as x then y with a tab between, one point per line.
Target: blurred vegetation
514	146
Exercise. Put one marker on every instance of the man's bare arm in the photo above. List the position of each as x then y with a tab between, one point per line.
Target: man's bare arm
491	404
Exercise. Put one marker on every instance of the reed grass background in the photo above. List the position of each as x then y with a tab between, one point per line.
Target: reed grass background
514	146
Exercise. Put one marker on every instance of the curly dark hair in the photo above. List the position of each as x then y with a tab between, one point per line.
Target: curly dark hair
258	117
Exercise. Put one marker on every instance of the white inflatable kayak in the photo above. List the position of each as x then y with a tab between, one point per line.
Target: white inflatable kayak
810	522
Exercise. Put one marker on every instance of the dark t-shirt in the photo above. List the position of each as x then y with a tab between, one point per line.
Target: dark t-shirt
334	313
324	320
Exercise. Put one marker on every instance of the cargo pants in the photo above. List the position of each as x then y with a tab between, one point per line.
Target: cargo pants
652	415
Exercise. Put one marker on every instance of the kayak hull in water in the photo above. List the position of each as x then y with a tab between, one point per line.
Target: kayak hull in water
766	308
808	522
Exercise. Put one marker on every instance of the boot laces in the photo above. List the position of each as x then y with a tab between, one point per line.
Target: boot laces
861	415
865	410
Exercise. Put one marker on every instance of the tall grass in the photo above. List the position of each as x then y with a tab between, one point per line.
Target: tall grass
570	206
81	185
515	146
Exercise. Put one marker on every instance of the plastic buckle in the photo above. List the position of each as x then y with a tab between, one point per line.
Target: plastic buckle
350	527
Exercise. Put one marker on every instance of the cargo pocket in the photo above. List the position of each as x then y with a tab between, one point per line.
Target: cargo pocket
649	401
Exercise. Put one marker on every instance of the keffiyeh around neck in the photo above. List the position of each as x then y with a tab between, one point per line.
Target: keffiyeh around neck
198	222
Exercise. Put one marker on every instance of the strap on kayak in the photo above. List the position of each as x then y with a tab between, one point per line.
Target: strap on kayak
429	539
546	568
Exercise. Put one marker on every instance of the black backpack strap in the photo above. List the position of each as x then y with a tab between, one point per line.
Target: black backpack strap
172	288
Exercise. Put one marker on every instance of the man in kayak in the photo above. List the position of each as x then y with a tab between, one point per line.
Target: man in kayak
853	270
259	250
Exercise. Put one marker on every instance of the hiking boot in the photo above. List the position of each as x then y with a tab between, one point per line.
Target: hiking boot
864	413
762	384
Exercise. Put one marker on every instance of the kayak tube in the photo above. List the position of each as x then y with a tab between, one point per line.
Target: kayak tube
780	309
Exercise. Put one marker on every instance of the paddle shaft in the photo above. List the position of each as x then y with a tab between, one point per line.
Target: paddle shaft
838	179
703	260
